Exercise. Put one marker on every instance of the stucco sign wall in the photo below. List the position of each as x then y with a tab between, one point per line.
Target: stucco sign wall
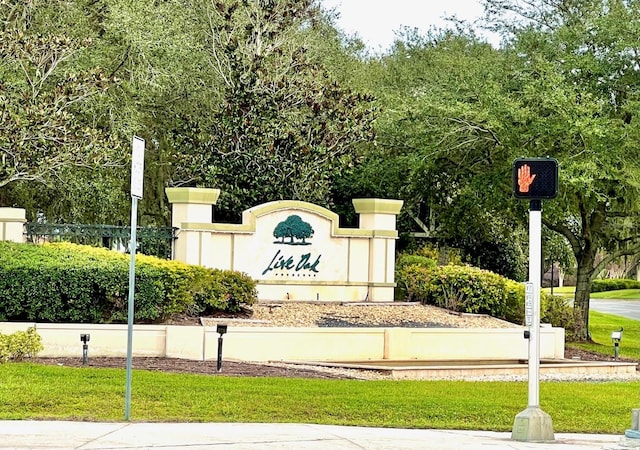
295	250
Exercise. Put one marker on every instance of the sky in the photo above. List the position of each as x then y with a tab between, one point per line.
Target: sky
376	20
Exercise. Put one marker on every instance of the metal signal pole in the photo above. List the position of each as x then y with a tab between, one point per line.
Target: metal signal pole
534	179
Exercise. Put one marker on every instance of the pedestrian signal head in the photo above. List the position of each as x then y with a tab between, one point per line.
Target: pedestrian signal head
535	178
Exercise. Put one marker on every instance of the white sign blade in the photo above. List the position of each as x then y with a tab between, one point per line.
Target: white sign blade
137	166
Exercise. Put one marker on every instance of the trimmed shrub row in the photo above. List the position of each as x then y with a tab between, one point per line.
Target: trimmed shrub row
66	282
458	288
614	284
472	290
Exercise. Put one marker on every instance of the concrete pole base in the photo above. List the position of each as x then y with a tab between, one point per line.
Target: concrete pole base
632	435
533	425
635	419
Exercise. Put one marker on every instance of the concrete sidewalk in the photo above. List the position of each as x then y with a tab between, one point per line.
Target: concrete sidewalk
254	436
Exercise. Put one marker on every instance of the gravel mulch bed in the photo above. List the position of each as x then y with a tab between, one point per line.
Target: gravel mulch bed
355	315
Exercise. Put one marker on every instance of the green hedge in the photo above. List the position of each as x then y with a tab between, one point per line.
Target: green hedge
458	288
473	290
514	302
20	345
226	290
558	312
404	261
614	284
73	283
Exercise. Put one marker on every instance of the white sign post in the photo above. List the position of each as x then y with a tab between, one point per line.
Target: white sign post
535	261
137	176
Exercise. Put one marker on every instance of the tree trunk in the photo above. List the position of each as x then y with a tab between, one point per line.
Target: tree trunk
560	278
581	300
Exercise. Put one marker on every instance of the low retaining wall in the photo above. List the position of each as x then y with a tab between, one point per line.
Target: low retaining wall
301	344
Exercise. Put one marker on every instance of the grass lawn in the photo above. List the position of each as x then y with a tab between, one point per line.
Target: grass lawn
601	325
564	291
622	294
30	391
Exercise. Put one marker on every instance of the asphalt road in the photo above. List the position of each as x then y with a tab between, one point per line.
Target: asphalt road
624	308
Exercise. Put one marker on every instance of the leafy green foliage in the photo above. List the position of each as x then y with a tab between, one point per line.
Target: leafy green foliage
19	345
458	288
149	60
502	257
557	251
74	283
404	275
442	254
41	96
405	259
466	289
458	112
559	312
228	94
228	290
514	302
576	100
455	287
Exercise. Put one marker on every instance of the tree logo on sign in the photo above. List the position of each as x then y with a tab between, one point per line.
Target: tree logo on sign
295	229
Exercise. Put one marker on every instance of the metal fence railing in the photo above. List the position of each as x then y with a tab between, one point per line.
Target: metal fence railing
155	241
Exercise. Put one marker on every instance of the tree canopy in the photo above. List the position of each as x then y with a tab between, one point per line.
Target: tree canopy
563	85
43	90
285	125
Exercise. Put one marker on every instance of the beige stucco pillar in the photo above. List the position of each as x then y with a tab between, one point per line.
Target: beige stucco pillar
12	222
379	215
190	205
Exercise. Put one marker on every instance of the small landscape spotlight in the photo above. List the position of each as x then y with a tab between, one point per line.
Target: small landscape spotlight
84	338
616	337
221	329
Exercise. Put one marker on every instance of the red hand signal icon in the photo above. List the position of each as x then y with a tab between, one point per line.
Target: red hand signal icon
525	178
535	178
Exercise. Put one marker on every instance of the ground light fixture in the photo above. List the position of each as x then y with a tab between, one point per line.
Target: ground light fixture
220	329
616	337
85	338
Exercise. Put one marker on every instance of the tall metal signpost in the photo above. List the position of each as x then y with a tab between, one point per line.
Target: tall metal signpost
137	176
534	179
